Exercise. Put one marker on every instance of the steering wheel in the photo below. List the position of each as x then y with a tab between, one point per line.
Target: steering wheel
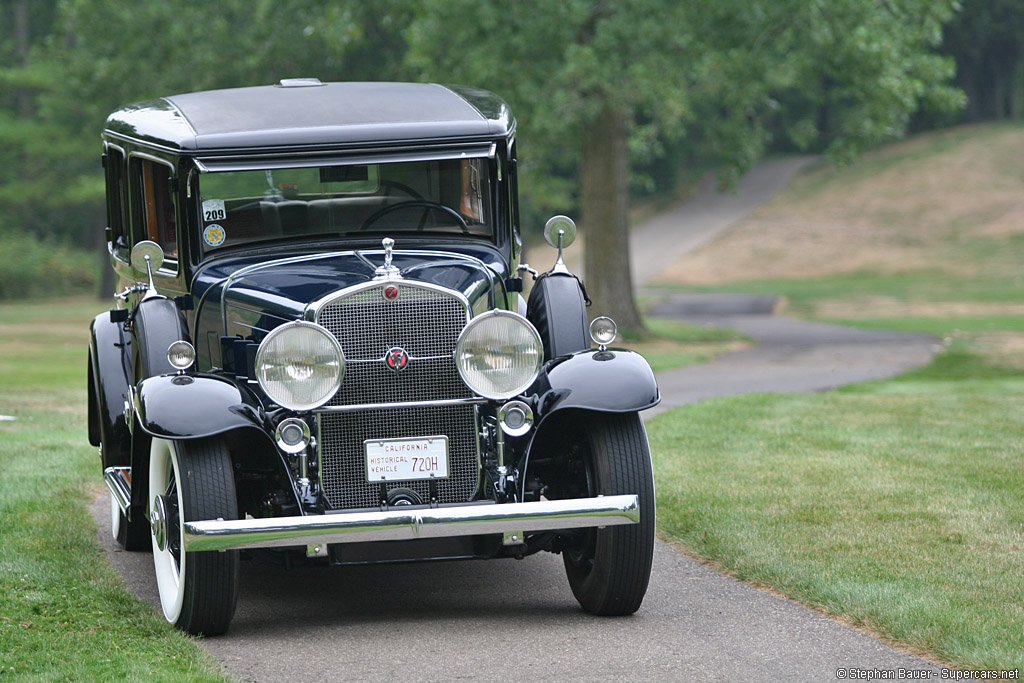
424	204
392	184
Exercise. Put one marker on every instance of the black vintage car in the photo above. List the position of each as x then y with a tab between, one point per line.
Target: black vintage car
321	347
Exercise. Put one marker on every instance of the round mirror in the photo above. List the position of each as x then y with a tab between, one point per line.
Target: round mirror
559	224
143	249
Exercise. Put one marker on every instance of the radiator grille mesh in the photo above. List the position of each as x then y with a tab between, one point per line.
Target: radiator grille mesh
343	468
425	323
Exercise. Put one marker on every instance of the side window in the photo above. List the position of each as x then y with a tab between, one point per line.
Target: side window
117	199
153	205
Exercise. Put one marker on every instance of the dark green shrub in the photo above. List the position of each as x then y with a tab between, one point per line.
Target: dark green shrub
30	267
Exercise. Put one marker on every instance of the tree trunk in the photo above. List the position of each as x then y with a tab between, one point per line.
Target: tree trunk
967	80
605	224
1017	87
22	41
999	86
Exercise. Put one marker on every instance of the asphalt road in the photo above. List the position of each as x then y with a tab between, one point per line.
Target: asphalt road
518	620
790	355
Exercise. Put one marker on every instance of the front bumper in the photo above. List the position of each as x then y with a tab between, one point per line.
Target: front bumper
399	525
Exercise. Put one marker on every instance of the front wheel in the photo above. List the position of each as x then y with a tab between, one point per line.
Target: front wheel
609	569
192	480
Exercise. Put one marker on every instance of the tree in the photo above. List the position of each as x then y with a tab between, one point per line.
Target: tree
29	172
63	73
594	82
987	41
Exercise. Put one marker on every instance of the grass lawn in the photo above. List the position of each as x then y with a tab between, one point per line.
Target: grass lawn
64	614
673	343
897	505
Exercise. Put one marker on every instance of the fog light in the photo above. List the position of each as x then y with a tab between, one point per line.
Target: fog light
603	331
181	355
516	418
292	435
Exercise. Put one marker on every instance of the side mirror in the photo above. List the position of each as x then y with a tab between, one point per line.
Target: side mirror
147	256
560	232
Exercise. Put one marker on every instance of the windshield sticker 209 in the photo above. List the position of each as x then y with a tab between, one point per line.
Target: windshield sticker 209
213	210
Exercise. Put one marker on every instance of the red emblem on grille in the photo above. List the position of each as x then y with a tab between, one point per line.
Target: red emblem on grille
391	292
397	359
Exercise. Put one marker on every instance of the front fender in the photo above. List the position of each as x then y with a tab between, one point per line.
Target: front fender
192	407
607	381
108	387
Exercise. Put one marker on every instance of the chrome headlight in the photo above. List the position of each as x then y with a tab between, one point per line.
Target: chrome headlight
300	365
499	354
603	331
181	355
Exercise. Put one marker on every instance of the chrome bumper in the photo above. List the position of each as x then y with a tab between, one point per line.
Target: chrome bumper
119	481
398	525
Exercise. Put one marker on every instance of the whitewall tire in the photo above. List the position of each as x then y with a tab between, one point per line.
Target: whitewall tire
192	480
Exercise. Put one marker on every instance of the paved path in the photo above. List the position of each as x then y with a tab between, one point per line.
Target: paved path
518	620
790	355
690	223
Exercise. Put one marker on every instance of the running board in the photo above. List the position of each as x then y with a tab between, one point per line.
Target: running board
395	525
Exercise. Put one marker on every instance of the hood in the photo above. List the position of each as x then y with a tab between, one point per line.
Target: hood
262	292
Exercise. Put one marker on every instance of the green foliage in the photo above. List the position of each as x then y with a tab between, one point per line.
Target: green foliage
556	64
56	93
40	187
30	267
727	76
987	40
731	74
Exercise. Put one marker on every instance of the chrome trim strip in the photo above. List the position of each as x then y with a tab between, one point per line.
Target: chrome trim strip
405	404
396	525
334	157
313	308
384	358
117	480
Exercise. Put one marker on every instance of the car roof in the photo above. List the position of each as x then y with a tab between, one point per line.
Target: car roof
307	113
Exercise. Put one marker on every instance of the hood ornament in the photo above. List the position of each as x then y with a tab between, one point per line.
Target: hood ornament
387	271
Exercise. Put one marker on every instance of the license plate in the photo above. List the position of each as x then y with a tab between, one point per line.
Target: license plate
424	457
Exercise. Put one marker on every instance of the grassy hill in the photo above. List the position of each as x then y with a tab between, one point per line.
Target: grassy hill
928	228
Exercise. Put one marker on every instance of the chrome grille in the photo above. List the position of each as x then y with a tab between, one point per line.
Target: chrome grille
426	323
343	467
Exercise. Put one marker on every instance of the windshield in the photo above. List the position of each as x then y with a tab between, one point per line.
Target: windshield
441	196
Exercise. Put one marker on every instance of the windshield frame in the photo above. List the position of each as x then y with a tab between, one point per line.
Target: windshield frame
489	228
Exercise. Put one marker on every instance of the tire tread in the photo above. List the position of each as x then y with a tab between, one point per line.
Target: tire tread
208	493
624	555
